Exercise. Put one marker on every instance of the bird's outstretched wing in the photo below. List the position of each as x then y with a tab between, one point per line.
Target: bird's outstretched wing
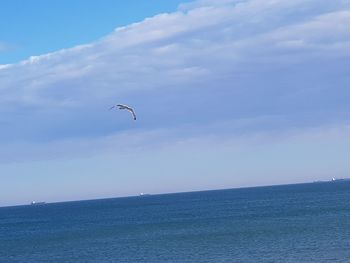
133	114
123	107
112	107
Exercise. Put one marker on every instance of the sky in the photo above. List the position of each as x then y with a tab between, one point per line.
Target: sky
228	93
37	27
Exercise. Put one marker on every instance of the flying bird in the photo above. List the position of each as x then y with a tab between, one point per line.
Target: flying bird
125	107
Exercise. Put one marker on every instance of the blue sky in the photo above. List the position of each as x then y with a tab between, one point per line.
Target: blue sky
228	94
37	27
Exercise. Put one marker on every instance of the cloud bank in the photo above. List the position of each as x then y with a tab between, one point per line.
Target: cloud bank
222	68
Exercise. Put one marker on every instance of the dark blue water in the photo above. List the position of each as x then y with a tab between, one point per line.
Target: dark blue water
294	223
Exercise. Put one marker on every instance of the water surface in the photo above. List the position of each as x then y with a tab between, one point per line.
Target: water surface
291	223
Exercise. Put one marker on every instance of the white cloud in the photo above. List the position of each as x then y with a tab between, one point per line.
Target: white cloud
255	58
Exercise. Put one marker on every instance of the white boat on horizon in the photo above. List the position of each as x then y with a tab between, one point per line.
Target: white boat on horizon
143	194
37	203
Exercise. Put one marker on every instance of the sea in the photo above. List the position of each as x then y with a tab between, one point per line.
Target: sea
287	223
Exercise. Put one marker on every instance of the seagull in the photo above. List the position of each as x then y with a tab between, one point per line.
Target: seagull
125	107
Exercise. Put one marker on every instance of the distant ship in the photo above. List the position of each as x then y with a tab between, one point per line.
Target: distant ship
341	179
333	180
143	194
37	203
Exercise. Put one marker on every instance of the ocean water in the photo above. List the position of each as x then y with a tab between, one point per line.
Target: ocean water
291	223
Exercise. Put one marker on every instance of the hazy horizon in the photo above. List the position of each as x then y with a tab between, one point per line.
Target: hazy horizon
140	195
